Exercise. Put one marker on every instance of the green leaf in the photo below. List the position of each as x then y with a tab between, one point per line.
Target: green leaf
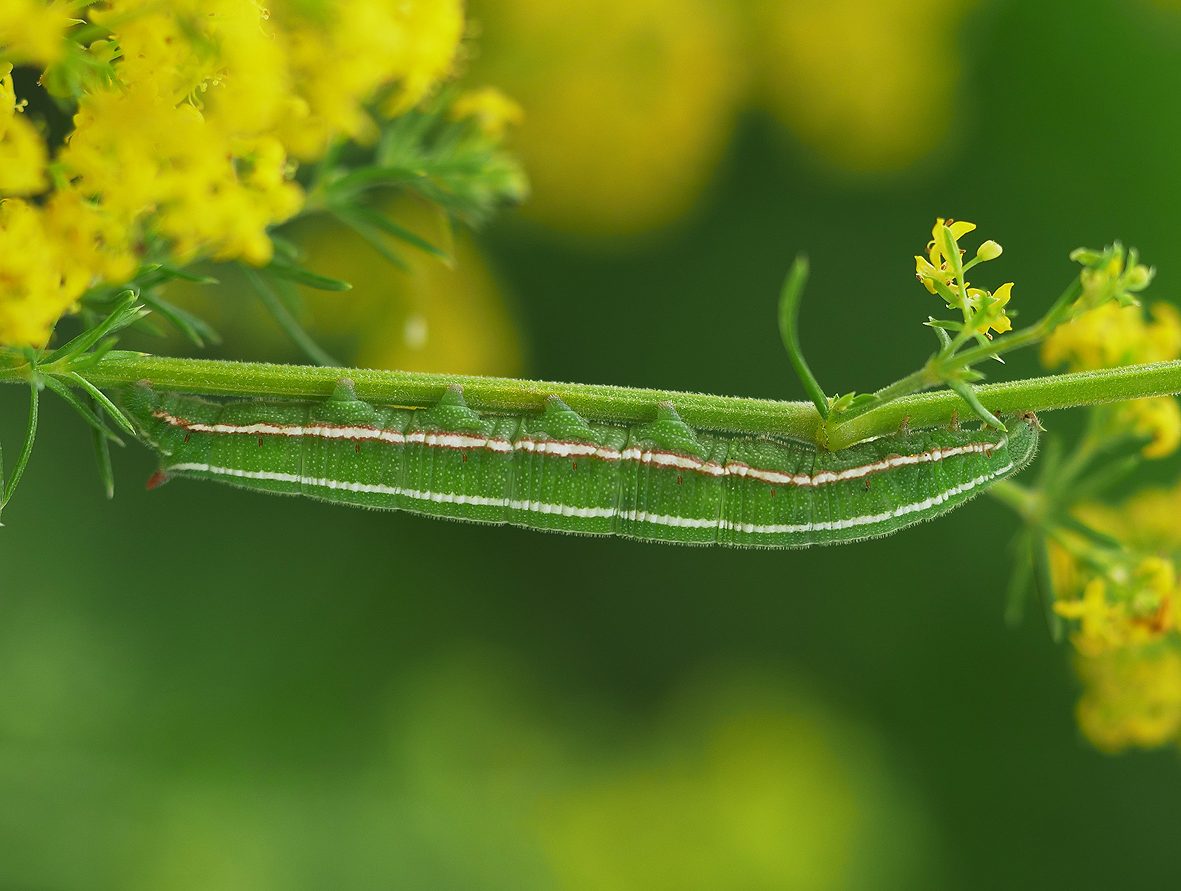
185	275
1020	581
84	411
286	249
789	312
943	324
950	297
26	452
306	277
372	177
279	311
375	240
102	455
967	394
112	411
196	330
1044	580
1067	521
1112	472
379	221
126	312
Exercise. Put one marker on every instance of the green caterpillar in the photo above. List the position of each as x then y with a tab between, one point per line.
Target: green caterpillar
554	470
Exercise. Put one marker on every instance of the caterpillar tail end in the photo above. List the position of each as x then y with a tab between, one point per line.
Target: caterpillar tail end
156	480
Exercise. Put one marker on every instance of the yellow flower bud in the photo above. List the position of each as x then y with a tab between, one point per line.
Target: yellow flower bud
990	250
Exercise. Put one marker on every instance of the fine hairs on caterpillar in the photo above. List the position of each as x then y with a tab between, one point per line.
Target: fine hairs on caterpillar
555	470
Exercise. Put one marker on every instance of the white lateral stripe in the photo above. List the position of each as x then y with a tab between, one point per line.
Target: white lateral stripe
869	519
567	510
561	449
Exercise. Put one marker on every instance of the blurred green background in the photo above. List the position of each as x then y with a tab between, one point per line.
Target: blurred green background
208	689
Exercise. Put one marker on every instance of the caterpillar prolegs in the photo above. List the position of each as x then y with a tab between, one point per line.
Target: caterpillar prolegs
555	470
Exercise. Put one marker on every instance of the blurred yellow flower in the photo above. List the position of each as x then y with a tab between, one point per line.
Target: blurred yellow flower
1101	622
1112	335
368	46
1126	636
453	318
430	316
868	85
754	788
34	290
22	152
630	103
31	31
1158	418
1132	697
492	110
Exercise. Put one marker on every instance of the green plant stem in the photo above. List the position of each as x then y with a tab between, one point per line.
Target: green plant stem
1037	394
948	362
609	403
1023	502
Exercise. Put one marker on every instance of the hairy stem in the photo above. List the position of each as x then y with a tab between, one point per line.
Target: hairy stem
1032	394
609	403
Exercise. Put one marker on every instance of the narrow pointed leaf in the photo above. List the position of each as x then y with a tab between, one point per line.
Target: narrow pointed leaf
305	277
789	312
26	451
196	330
966	393
112	411
84	411
102	456
374	239
380	221
1020	582
125	313
283	316
1044	579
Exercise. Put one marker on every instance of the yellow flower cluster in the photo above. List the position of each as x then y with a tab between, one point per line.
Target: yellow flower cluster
1110	335
22	153
936	272
31	31
1131	698
1126	615
190	119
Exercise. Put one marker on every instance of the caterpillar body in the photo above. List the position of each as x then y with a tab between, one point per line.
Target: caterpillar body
555	470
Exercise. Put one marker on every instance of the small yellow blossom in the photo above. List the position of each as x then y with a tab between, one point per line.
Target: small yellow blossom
989	250
22	152
996	320
492	110
935	265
